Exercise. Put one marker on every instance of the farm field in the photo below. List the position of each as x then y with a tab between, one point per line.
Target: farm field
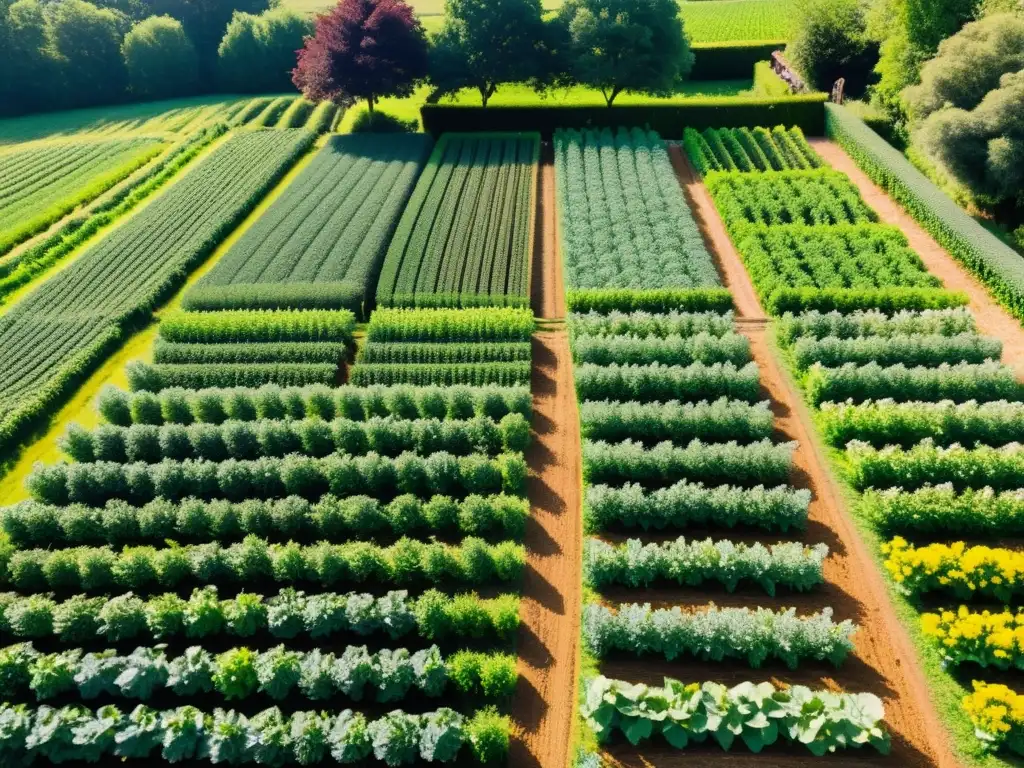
465	236
323	242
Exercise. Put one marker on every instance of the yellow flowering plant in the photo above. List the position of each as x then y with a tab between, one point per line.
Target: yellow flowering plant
983	637
965	571
997	714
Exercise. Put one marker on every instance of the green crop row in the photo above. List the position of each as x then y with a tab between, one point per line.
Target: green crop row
655	382
444	374
154	378
645	325
605	300
914	350
718	421
671	350
172	352
418	352
386	436
214	406
242	326
146	570
874	322
928	464
746	149
271	478
940	511
451	325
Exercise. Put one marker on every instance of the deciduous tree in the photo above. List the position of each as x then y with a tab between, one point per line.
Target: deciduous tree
161	60
258	52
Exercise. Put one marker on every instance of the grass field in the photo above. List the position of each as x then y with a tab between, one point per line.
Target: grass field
707	21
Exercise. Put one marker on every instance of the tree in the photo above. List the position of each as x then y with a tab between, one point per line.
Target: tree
363	49
831	42
627	45
258	53
87	42
27	58
969	65
485	43
160	58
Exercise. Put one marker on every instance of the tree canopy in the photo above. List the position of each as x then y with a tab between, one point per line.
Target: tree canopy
831	42
161	60
258	52
363	49
627	45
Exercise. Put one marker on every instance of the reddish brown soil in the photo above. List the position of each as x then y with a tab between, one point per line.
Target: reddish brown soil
992	319
545	699
884	659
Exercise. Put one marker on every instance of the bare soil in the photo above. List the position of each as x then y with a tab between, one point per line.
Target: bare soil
992	319
884	661
545	699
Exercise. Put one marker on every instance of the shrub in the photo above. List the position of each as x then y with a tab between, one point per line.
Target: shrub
450	325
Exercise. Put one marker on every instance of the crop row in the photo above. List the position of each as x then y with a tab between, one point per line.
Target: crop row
32	524
165	352
874	322
466	235
656	382
147	377
750	149
671	350
634	564
146	569
311	437
984	466
450	325
625	223
719	421
268	737
54	337
388	675
758	715
761	462
940	510
642	324
916	350
214	406
717	634
432	616
417	352
440	473
686	504
984	638
607	300
241	326
958	569
442	374
322	242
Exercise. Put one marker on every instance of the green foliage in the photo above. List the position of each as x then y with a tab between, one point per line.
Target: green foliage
927	463
850	300
692	504
717	421
341	475
625	223
831	42
744	20
322	242
161	60
144	569
851	325
257	51
153	378
260	352
644	324
445	374
87	42
716	634
258	326
915	350
761	462
670	350
990	259
451	325
649	383
415	352
382	122
940	511
757	714
476	193
747	149
618	46
634	564
178	406
983	382
659	300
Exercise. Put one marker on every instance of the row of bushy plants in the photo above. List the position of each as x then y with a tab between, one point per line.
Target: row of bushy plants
791	565
31	524
213	406
443	374
890	299
717	421
686	504
146	569
643	324
887	422
704	348
758	463
962	570
170	352
717	634
916	350
874	322
929	464
386	436
433	616
986	638
242	326
75	733
939	510
450	325
154	377
311	478
656	382
387	675
607	300
408	353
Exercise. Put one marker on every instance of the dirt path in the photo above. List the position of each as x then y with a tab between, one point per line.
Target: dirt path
545	699
884	659
992	319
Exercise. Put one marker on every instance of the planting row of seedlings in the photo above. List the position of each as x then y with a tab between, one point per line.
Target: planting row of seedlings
926	422
247	566
687	494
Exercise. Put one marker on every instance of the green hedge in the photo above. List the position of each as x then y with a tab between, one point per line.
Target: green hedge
730	61
989	258
660	300
850	300
669	120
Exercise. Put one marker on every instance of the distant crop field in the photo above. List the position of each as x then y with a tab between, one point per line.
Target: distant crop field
41	183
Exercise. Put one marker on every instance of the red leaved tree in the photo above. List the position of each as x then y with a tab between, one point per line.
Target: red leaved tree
363	49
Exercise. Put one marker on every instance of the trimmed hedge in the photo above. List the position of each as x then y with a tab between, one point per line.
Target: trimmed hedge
804	111
730	61
999	266
852	300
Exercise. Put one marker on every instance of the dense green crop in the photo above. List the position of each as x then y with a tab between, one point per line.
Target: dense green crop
450	325
165	352
40	183
717	21
257	326
625	223
718	421
889	350
647	383
819	325
447	374
671	350
153	378
651	324
417	352
465	238
321	244
53	337
999	468
746	149
939	511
